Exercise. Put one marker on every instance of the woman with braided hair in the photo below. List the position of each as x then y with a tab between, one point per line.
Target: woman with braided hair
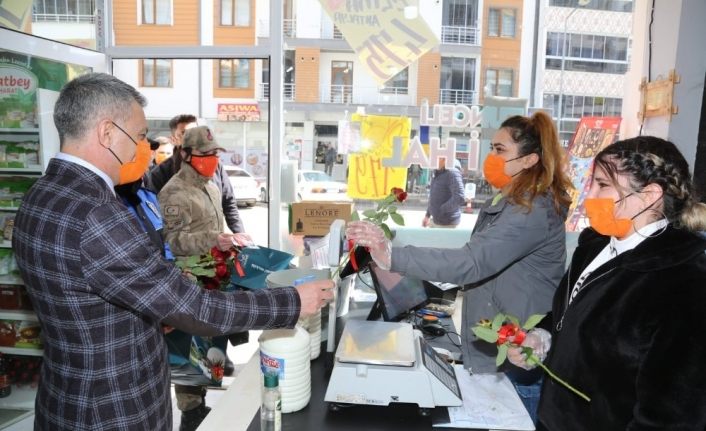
628	319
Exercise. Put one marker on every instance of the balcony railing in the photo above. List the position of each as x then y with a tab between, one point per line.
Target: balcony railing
457	35
347	94
289	92
459	97
63	17
289	27
339	94
263	92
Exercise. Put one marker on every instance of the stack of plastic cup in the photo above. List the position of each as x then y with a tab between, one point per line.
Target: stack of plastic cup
294	277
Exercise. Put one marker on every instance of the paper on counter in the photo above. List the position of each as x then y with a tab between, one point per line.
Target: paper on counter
489	402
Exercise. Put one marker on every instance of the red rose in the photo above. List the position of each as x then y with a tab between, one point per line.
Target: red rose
218	255
400	195
211	284
512	333
221	269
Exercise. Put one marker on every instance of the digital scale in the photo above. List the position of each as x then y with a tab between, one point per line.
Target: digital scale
379	363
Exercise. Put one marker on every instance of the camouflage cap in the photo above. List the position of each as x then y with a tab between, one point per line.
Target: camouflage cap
201	139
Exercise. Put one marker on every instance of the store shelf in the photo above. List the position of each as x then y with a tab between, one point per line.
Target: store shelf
5	244
11	279
30	169
19	130
13	416
21	351
20	398
18	315
9	208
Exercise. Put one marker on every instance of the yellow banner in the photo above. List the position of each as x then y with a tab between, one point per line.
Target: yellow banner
16	14
367	177
386	42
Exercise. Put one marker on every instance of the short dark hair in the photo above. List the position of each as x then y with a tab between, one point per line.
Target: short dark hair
86	99
179	119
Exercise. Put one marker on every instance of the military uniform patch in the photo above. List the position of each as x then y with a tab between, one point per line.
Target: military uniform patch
171	210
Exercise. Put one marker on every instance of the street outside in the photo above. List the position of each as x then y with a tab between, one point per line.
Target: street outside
413	212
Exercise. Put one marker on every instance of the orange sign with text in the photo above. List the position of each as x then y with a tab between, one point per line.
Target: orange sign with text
238	112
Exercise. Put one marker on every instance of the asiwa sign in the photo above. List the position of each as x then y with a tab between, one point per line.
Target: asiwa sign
238	111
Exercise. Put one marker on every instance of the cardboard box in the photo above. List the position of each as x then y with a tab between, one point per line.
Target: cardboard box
315	218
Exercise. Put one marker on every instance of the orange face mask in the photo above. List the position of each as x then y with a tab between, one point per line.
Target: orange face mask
134	170
494	171
160	157
204	165
601	215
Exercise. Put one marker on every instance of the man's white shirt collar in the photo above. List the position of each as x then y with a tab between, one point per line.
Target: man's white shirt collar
79	161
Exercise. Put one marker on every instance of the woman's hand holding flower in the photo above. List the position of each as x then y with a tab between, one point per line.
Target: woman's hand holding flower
539	340
367	234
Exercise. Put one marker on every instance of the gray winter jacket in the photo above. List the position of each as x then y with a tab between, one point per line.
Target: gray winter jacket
446	197
512	263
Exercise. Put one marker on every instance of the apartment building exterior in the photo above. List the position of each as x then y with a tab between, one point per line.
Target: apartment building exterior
583	54
478	55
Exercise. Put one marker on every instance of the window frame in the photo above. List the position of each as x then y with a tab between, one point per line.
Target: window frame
155	3
234	7
155	68
234	75
499	13
498	71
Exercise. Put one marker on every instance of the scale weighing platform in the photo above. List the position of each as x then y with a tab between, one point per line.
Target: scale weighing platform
378	363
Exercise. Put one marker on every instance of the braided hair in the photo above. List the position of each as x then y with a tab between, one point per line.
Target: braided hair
650	160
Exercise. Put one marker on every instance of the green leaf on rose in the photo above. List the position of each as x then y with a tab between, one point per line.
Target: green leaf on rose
513	319
397	218
370	213
498	321
502	355
485	334
386	230
355	216
532	321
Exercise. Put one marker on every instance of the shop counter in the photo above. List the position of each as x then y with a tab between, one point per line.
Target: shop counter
238	408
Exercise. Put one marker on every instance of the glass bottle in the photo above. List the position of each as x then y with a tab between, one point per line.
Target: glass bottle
271	409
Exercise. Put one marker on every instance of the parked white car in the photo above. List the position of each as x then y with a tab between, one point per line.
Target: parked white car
317	186
245	186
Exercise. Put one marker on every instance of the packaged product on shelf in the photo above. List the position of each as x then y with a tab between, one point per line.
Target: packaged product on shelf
7	225
15	157
28	335
31	151
12	189
23	370
10	297
8	336
6	261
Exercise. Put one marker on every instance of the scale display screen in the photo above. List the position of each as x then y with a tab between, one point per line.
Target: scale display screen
397	294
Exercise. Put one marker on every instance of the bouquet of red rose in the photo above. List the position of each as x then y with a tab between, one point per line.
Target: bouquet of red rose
359	257
505	331
211	271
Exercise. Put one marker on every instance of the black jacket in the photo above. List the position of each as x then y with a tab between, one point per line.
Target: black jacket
158	176
633	339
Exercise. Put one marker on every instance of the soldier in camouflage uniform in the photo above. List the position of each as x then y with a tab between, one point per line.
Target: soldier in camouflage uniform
193	224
